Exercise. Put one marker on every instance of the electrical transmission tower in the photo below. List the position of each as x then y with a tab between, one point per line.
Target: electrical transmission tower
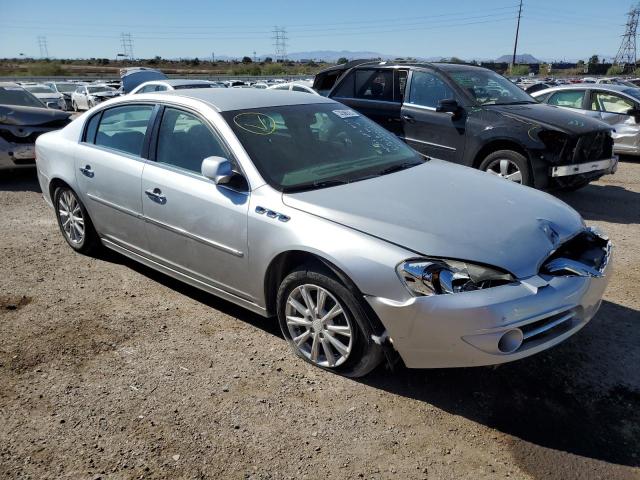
127	45
42	43
280	42
626	56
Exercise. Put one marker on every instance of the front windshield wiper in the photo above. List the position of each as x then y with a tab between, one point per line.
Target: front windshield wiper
314	185
398	167
521	102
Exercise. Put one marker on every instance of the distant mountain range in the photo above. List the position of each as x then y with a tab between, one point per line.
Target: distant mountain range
522	58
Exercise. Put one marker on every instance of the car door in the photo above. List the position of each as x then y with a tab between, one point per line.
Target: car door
612	108
371	92
432	133
109	164
575	100
193	225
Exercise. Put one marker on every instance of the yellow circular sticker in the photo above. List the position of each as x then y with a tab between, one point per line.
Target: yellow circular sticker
255	122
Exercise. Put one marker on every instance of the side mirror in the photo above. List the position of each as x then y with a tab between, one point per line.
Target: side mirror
217	169
53	105
448	105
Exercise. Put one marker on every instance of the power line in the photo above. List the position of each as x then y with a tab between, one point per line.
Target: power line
626	55
42	43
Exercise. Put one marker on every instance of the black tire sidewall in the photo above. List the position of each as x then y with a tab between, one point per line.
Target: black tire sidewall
365	354
517	158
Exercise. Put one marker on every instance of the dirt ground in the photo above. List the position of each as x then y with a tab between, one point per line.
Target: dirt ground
111	370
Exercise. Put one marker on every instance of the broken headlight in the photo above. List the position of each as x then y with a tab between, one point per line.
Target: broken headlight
426	277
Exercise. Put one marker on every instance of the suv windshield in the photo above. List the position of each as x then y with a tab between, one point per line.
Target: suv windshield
304	147
18	96
39	89
490	88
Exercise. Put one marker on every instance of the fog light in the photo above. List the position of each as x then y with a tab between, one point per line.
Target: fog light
510	341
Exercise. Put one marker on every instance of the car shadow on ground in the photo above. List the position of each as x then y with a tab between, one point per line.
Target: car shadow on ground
608	203
581	397
20	180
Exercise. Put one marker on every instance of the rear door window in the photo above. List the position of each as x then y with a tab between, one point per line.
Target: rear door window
124	128
567	98
374	85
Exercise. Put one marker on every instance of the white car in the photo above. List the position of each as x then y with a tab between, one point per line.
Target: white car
46	95
88	96
294	87
166	85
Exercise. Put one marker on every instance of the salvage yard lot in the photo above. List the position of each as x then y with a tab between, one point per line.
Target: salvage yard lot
109	369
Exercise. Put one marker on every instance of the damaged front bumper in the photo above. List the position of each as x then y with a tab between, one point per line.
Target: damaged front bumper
16	155
499	324
603	167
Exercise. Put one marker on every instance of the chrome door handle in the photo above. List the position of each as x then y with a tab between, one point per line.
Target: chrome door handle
87	172
408	118
156	195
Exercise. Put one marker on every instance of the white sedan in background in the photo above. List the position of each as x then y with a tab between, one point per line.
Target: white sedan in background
166	85
294	87
88	96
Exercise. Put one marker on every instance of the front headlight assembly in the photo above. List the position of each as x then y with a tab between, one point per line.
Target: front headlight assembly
426	277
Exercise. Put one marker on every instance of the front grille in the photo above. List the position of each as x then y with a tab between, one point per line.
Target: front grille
590	147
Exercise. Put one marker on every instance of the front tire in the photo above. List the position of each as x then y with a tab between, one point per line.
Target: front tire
325	324
74	222
510	165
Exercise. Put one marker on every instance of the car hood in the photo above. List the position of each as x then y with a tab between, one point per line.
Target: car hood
550	117
18	115
443	210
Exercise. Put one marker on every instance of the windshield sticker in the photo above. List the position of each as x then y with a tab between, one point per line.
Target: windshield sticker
255	122
345	113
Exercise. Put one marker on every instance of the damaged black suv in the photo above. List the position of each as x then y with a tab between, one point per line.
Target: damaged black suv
475	117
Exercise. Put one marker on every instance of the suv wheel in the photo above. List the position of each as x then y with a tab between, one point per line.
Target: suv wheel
325	324
509	165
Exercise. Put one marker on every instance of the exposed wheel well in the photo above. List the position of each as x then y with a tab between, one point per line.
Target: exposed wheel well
55	183
286	262
496	145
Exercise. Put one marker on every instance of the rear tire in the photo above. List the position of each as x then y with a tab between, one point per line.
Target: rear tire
510	165
340	343
74	222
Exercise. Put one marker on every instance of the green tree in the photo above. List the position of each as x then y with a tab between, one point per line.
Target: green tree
342	60
594	60
615	70
519	70
246	59
268	60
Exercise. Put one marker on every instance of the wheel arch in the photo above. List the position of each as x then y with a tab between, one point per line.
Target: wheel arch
285	262
496	145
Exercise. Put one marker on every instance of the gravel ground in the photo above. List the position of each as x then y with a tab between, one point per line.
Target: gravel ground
111	370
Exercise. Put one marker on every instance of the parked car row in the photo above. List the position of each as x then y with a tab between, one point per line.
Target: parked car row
299	207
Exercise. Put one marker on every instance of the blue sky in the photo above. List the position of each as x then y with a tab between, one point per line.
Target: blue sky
465	28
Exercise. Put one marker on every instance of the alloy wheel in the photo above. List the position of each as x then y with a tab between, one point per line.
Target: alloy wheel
319	325
505	168
71	218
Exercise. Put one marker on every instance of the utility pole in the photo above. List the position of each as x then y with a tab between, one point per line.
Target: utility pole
213	57
127	45
627	53
515	45
42	43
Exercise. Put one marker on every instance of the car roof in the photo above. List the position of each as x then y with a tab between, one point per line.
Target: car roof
10	85
612	87
225	99
177	81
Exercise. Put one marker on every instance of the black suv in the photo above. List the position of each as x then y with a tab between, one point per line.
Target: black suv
475	117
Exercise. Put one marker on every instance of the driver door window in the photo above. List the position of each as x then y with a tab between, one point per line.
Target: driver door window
427	90
184	141
610	103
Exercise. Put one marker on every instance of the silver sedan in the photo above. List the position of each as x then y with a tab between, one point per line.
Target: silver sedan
295	206
617	105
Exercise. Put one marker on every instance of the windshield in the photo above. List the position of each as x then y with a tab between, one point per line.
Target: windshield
66	87
103	88
39	89
633	92
18	96
490	88
304	147
193	85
